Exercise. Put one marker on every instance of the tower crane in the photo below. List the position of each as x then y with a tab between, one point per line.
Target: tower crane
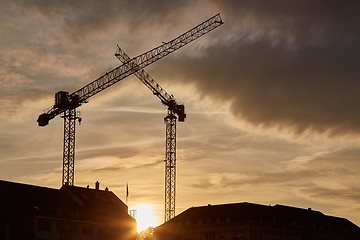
174	111
66	103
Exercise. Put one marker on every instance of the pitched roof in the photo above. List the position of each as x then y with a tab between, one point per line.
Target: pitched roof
17	199
91	202
22	199
240	212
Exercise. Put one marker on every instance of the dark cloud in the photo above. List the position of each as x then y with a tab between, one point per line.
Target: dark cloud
288	65
82	17
284	64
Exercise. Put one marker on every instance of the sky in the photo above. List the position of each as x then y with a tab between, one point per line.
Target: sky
271	96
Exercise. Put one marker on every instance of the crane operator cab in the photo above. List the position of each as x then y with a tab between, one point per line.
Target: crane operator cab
61	99
181	112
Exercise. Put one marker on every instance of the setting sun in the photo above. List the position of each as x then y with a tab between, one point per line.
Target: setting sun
145	217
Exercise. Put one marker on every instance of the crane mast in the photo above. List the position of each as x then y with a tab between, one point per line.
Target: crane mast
170	165
175	110
66	104
70	116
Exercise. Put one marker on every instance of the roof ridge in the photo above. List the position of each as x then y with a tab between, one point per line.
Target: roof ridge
26	185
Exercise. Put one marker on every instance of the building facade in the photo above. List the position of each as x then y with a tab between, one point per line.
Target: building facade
247	221
30	212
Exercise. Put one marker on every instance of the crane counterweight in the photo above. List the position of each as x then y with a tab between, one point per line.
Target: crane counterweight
43	119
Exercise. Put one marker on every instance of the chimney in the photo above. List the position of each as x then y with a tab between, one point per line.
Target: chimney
97	185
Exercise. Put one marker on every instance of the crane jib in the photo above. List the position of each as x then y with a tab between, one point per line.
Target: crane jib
82	95
145	78
147	58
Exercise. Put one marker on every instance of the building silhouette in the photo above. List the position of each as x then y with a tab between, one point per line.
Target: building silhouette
248	221
41	213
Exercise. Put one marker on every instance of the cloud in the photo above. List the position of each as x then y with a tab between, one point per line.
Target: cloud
341	194
35	61
319	175
60	46
275	67
83	18
293	67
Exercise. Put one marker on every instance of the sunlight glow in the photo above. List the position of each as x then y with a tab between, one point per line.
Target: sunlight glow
145	217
